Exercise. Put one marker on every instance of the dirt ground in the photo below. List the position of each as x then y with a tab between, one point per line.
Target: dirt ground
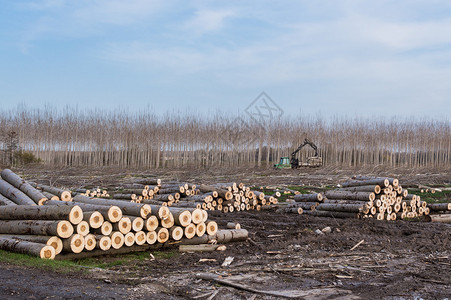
396	260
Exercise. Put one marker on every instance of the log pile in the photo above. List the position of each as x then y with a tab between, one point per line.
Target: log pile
33	223
364	197
225	197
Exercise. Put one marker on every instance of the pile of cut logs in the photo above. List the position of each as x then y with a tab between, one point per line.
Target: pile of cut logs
32	223
225	197
364	197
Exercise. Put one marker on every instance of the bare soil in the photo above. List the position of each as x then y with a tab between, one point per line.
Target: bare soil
396	260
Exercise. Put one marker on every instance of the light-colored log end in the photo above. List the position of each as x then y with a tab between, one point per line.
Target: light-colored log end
129	239
76	215
83	228
151	237
90	242
117	240
64	229
151	223
140	238
47	252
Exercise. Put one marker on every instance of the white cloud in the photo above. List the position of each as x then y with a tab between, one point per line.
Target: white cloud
206	20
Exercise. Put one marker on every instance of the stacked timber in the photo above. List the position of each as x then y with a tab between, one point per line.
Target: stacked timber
83	226
363	197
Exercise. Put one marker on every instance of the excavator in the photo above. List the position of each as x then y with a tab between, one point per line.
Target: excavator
313	162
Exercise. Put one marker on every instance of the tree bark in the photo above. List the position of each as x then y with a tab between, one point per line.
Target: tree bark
23	186
74	244
63	229
31	248
14	194
128	208
5	201
308	197
53	241
62	194
361	196
74	214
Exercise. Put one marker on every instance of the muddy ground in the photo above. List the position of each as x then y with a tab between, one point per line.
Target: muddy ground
396	260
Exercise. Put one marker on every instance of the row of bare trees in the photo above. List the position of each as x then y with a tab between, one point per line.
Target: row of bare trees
72	137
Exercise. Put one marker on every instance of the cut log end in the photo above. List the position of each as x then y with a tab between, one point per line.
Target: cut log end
140	238
90	242
83	228
47	252
117	240
56	243
201	228
162	235
151	237
129	239
176	233
76	215
212	227
64	229
151	223
190	231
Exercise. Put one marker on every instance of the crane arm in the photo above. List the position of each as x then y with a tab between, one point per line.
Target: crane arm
306	142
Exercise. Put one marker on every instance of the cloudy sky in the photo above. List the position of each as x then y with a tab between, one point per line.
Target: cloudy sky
346	57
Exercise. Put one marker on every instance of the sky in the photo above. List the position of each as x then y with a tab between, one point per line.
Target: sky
347	58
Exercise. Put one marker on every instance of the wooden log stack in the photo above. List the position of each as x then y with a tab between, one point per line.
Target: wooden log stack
81	224
365	197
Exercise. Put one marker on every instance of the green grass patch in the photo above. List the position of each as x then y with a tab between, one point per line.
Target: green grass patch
437	197
66	266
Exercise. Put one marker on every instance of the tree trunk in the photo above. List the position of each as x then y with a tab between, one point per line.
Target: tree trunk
352	208
434	206
53	241
74	244
62	194
25	247
128	208
23	186
63	229
110	213
361	196
364	188
13	194
5	201
308	197
73	214
383	182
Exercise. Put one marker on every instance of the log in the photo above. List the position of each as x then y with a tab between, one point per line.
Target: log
140	238
162	235
128	208
167	222
94	219
364	188
304	205
443	218
437	206
5	201
90	242
103	242
74	214
308	197
23	186
74	244
53	241
151	237
164	197
137	223
201	228
231	225
151	223
124	196
291	210
176	233
124	225
351	208
129	239
31	248
64	195
14	194
199	248
383	182
190	231
117	240
227	195
50	196
150	181
361	196
182	217
337	201
111	213
332	214
62	229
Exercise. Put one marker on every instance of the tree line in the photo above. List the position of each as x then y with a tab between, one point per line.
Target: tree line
73	137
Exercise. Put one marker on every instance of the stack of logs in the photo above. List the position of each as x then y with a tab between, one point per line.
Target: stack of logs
362	197
31	222
225	197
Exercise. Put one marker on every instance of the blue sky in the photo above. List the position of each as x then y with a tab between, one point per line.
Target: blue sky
364	58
